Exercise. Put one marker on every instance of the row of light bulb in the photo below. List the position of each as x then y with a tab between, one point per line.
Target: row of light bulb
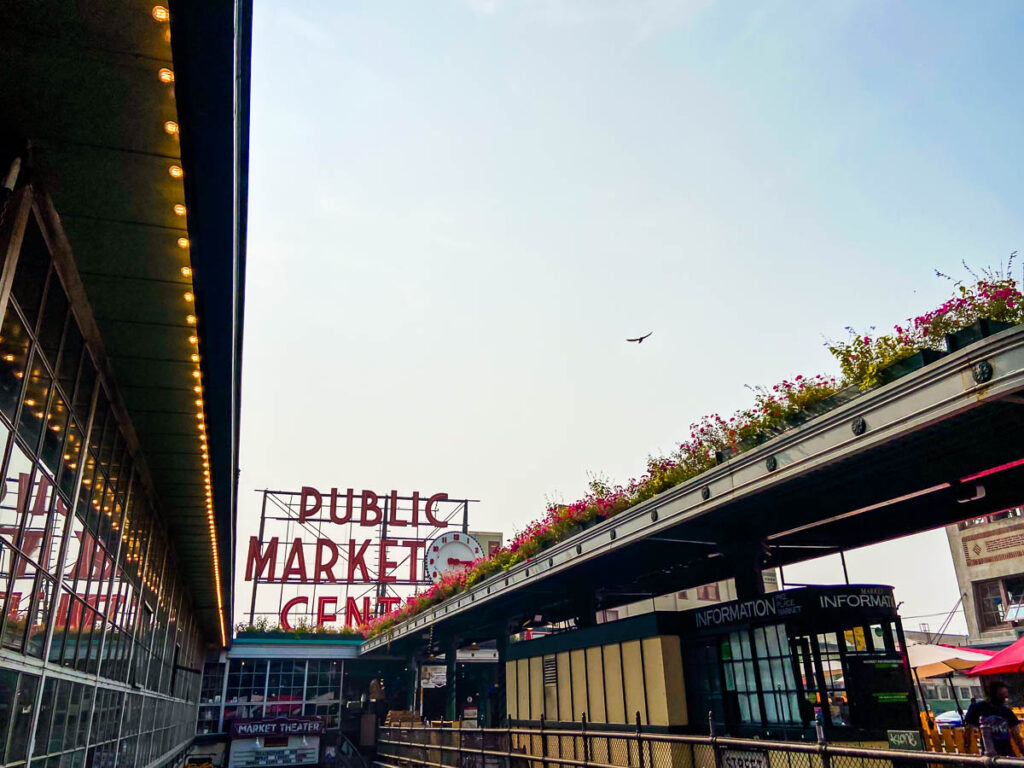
166	76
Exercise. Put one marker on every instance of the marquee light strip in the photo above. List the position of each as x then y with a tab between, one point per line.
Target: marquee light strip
166	76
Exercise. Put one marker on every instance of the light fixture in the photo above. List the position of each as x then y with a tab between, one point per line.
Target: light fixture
160	13
9	358
175	171
195	358
183	242
196	374
179	210
189	296
171	127
165	75
186	272
190	319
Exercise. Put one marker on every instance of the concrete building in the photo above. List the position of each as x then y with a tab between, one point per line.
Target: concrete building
988	556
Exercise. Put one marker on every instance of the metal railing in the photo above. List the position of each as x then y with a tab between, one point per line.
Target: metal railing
433	747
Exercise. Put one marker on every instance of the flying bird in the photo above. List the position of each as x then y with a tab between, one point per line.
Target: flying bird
640	339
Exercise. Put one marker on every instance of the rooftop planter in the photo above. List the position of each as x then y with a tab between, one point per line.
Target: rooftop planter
991	304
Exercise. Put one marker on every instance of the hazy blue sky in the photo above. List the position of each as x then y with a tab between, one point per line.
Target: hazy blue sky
459	210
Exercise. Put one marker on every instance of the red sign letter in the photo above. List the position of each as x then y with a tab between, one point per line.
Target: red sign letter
255	559
287	607
323	570
355	560
383	575
353	616
430	509
321	610
334	507
370	504
414	568
296	562
393	512
305	511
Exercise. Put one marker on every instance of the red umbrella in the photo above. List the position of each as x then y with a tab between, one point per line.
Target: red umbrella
1008	661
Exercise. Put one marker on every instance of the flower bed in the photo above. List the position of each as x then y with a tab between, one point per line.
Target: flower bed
991	303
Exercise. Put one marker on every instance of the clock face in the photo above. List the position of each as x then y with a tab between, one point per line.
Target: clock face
449	552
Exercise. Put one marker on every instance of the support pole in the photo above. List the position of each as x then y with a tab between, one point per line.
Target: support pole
451	672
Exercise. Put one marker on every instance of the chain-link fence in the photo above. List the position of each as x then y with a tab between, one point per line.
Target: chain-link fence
594	748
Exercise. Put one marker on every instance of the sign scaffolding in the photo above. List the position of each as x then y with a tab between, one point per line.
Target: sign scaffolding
337	557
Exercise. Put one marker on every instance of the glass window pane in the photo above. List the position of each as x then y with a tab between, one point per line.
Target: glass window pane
33	412
15	493
51	327
84	389
70	458
53	436
14	344
30	274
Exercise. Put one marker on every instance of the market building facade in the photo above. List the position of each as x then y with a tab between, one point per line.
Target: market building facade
123	133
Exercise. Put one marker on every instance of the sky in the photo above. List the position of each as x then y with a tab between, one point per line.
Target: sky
459	209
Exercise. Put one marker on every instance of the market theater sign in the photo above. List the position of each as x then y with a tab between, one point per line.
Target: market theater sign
282	726
325	560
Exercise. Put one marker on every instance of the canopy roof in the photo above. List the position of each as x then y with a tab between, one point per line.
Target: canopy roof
928	660
87	84
1009	661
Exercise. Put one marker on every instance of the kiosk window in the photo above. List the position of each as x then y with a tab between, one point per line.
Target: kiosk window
738	663
775	666
835	682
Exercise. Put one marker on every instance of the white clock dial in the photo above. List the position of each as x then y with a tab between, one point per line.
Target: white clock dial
448	552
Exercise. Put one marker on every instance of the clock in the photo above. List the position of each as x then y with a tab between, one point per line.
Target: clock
448	552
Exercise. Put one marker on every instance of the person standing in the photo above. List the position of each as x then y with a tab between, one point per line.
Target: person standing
996	721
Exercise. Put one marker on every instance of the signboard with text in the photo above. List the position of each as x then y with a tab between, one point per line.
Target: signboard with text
339	556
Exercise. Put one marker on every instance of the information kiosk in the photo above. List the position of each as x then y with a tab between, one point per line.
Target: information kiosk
775	666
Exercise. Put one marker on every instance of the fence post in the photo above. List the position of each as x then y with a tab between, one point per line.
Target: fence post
586	747
543	743
508	746
715	757
639	741
826	758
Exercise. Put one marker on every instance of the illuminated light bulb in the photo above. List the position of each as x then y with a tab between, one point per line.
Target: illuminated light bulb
199	403
190	319
19	374
9	358
160	13
67	456
197	389
87	481
179	210
30	402
183	242
165	75
196	374
73	466
38	414
201	427
193	339
189	296
55	427
175	171
171	127
195	358
186	271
